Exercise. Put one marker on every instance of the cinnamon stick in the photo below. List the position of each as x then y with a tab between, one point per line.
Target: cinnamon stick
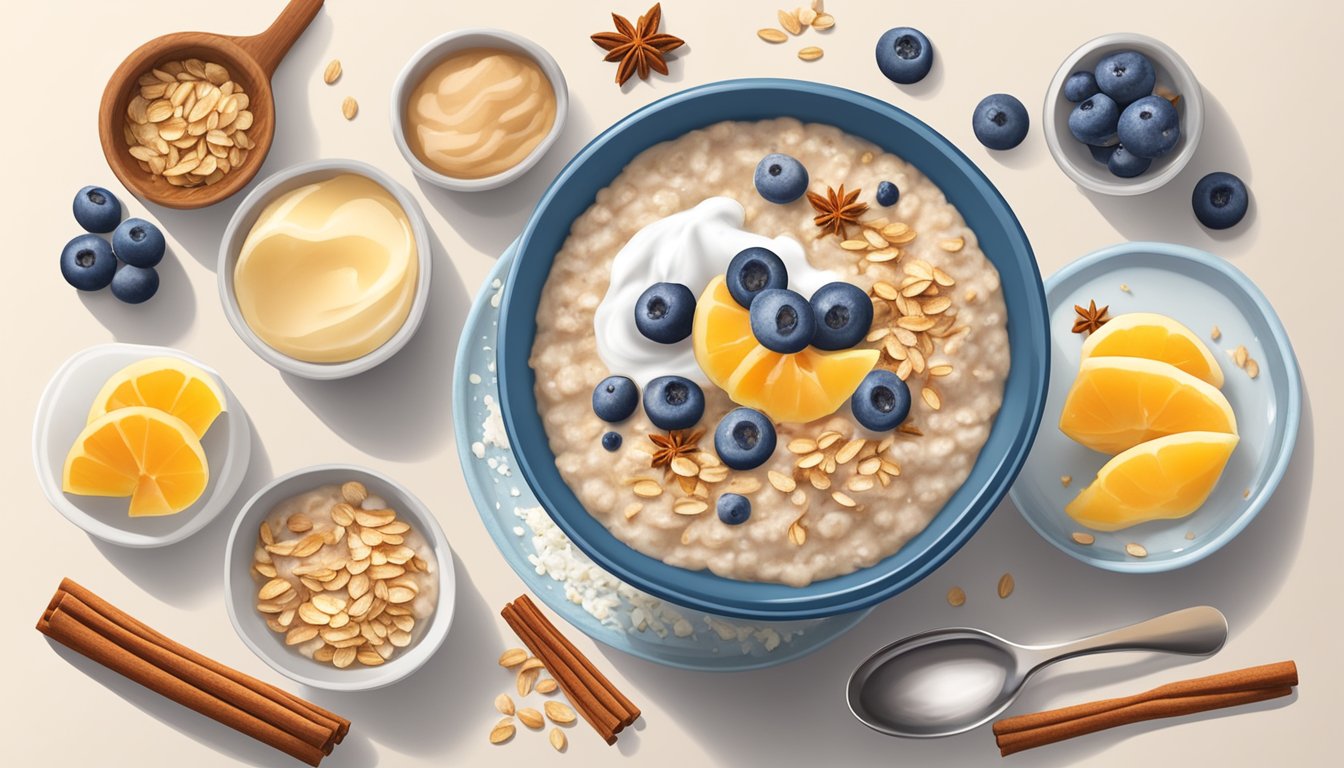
1186	697
340	725
113	639
602	720
620	705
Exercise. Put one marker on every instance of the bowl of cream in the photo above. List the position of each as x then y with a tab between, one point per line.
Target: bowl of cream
475	109
324	269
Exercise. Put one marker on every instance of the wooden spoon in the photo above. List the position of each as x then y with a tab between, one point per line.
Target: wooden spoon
250	60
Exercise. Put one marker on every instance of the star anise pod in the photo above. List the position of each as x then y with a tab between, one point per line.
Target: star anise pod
679	443
836	210
639	47
1089	318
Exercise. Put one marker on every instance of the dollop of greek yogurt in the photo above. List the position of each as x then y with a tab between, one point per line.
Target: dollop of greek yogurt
689	247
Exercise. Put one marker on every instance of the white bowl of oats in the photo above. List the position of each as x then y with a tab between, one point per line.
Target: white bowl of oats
338	577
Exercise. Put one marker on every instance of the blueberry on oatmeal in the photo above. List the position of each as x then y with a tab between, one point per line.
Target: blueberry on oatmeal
665	312
615	398
782	320
881	402
612	441
754	270
843	313
733	508
780	178
887	194
744	439
674	402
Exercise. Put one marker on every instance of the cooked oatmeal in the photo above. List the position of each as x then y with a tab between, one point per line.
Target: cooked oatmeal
849	508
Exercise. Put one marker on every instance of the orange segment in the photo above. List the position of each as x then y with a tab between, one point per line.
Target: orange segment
169	384
1155	337
1118	402
141	452
1166	478
788	388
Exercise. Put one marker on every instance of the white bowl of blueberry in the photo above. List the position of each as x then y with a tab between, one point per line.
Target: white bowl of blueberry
1123	114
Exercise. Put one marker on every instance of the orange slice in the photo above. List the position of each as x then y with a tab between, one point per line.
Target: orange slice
1166	478
1154	337
169	384
795	388
1118	402
141	452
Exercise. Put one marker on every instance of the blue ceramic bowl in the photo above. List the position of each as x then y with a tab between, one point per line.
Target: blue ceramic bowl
966	187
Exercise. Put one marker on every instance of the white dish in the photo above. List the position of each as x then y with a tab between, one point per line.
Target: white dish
1075	159
246	216
425	59
241	590
61	415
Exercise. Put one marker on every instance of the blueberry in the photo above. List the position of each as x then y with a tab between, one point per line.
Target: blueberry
673	402
881	402
138	243
744	439
1220	200
1149	127
1126	76
135	285
754	270
97	210
887	194
1102	154
843	313
611	441
782	320
904	55
733	508
1080	85
87	263
1126	164
615	398
781	178
665	312
1000	121
1094	120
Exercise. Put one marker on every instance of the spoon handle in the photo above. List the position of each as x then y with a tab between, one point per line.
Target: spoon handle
269	47
1195	631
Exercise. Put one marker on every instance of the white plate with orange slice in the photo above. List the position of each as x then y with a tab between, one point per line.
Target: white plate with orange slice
140	446
1167	428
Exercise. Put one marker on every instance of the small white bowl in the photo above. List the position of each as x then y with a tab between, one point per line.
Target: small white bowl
1074	158
434	52
62	414
241	589
246	216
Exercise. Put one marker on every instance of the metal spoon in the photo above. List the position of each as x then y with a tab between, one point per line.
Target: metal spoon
949	681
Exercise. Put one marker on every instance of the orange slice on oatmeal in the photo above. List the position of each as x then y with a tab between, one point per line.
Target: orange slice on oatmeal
1154	337
1166	478
1118	402
169	384
141	452
794	388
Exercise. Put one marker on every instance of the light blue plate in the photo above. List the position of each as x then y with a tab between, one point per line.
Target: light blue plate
1200	291
494	494
966	187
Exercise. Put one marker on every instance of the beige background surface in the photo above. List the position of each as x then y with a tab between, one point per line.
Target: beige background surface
1274	118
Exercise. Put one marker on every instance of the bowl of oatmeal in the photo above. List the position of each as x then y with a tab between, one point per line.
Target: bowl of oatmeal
338	577
841	515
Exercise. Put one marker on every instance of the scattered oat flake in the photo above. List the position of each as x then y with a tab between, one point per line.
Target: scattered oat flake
349	107
771	35
333	72
1125	288
557	739
1083	538
1240	356
1190	535
1064	480
953	244
1252	367
956	597
1005	585
811	53
1136	550
789	21
1216	333
1246	494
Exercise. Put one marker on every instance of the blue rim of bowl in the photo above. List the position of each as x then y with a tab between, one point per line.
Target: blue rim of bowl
975	197
1292	409
610	638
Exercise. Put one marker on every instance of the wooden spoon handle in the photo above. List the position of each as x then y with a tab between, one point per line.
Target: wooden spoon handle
269	47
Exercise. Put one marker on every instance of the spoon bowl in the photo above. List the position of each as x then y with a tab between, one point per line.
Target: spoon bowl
949	681
250	61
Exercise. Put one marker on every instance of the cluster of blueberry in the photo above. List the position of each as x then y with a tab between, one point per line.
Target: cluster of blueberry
1117	115
90	263
781	179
